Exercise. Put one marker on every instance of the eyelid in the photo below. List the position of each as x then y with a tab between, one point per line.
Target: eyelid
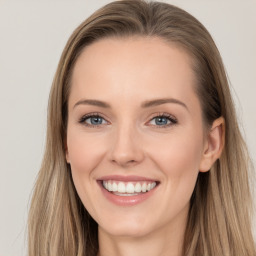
90	115
170	117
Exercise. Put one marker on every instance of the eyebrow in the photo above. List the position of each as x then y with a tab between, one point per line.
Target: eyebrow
152	103
145	104
97	103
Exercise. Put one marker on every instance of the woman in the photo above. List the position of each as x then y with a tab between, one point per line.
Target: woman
144	155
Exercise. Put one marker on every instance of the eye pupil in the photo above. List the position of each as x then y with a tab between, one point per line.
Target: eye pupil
96	120
161	120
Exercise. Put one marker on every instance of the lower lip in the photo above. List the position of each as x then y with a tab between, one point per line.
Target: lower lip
126	200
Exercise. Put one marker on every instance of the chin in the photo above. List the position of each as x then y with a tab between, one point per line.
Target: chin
127	228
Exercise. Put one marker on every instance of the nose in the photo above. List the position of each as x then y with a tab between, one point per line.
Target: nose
127	149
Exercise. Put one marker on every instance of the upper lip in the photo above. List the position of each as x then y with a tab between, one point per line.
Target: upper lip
126	178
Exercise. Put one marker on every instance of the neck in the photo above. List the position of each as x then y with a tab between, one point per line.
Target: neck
165	241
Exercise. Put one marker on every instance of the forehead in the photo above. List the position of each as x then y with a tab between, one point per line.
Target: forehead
130	67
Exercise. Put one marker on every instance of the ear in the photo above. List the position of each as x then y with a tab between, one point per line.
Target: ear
213	145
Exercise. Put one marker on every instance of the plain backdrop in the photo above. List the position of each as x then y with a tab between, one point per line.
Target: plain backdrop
32	37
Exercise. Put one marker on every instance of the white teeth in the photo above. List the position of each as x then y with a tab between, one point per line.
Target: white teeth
125	194
128	188
137	187
114	187
144	187
109	186
153	185
121	187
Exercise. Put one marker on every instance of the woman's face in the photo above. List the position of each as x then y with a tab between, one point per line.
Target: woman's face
135	127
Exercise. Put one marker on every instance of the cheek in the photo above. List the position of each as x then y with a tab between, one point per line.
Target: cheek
178	157
178	151
84	152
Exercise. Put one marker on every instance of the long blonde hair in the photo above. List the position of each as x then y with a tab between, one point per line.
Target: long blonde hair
219	221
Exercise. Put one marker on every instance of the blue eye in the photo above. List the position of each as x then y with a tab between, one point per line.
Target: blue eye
95	120
159	121
163	120
92	120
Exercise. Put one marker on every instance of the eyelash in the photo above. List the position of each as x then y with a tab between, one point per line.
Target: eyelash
169	117
85	117
172	119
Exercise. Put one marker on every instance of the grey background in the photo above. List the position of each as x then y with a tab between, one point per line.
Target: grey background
32	36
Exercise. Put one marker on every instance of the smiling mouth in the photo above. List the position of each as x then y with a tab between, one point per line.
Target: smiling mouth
130	188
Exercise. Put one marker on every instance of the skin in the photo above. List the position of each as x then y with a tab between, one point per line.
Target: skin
124	73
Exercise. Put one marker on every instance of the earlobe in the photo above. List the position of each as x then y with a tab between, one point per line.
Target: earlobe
214	145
